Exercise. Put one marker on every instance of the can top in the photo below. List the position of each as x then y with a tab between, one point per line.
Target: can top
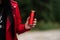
33	11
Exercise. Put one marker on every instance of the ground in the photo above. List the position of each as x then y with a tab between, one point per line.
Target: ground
40	35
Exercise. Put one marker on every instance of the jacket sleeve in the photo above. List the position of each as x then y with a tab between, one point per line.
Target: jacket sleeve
20	28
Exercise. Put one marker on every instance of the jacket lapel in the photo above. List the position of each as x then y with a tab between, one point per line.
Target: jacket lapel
7	24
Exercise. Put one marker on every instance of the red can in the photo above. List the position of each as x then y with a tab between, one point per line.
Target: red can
31	19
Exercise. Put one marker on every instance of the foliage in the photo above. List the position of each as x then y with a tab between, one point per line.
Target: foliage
46	10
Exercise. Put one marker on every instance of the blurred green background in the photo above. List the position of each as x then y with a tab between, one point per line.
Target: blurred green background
47	13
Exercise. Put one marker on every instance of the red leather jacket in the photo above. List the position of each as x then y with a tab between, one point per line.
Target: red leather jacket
19	27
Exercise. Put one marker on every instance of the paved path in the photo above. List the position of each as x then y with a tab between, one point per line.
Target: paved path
40	35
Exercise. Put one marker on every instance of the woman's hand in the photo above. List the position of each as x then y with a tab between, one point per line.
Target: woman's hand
27	26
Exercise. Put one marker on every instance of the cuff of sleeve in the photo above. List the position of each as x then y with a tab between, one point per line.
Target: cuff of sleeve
21	29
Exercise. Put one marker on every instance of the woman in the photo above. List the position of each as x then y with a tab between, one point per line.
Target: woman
10	20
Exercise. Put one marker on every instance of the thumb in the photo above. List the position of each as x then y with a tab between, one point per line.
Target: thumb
27	19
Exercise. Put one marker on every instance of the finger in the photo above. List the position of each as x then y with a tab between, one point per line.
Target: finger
33	26
34	22
35	19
